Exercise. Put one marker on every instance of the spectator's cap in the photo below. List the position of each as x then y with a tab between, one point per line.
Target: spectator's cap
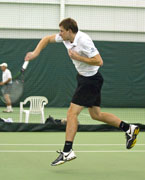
4	64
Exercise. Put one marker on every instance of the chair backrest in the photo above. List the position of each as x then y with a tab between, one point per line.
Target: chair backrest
36	103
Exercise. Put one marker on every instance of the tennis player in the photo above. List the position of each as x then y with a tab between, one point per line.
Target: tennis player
87	61
6	83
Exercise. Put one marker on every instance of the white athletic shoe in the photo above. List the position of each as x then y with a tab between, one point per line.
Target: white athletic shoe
131	136
8	111
64	157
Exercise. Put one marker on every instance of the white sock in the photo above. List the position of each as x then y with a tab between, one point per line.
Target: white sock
9	108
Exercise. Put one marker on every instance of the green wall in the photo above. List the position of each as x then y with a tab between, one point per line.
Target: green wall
52	74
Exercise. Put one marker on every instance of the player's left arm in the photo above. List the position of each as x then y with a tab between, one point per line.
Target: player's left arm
95	61
3	83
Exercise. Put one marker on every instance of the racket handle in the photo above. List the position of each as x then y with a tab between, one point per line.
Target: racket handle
25	65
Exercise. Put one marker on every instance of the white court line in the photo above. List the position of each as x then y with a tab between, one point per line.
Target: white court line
29	151
63	144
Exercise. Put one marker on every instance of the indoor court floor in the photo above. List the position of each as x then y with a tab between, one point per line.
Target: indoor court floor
100	155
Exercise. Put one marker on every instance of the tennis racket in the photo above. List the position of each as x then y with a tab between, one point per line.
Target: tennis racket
15	90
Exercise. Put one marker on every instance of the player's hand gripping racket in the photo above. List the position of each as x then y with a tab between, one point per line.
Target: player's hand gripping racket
15	90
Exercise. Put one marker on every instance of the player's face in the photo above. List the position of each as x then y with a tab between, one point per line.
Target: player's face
3	68
64	34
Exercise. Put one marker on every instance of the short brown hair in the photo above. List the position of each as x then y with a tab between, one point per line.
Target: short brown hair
69	23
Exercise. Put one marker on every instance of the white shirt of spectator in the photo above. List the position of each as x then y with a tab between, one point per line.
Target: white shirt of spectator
6	75
84	46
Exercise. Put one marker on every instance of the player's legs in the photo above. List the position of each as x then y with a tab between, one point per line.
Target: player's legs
108	118
71	129
7	99
72	121
130	130
8	103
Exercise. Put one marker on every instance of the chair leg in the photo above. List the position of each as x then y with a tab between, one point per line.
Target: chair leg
27	117
43	119
21	116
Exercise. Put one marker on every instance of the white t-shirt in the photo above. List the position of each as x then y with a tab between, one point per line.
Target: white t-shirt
6	75
84	46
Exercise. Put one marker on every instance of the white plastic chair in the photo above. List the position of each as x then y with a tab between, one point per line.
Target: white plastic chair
37	104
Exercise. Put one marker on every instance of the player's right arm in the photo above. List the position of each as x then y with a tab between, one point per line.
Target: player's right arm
41	45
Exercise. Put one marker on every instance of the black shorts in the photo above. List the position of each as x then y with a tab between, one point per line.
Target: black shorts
88	91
